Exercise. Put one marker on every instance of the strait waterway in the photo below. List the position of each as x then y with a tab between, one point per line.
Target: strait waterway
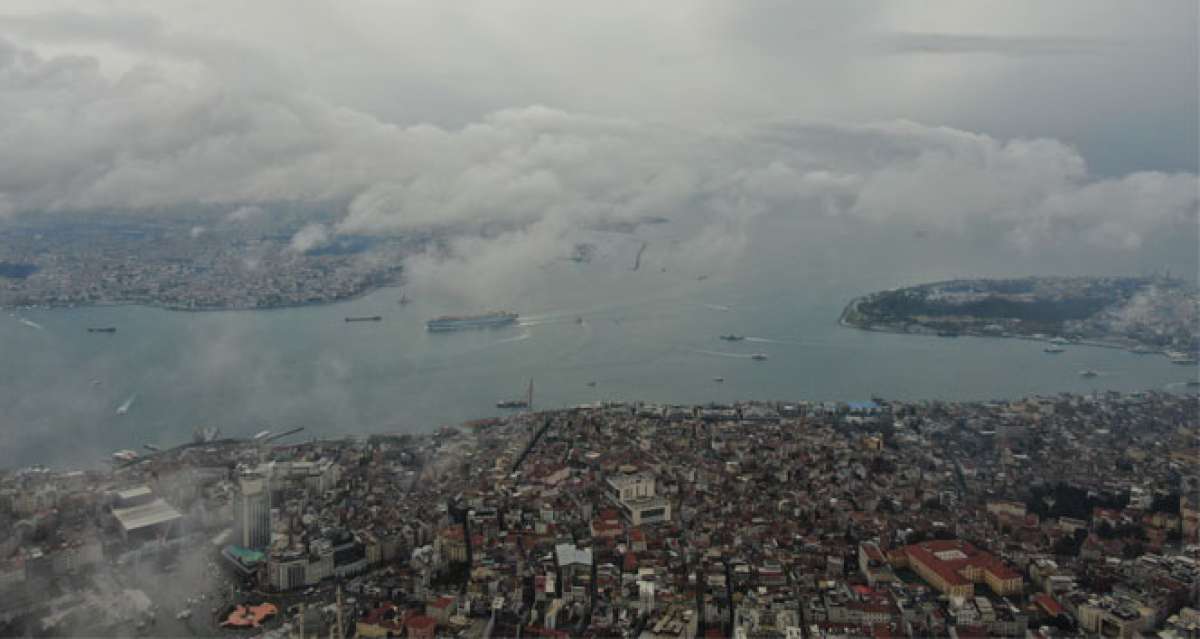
650	334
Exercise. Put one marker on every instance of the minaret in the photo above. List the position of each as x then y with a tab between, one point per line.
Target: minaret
529	395
341	629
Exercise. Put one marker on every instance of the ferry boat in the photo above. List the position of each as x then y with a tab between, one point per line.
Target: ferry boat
1053	349
1181	358
102	329
369	318
733	338
1088	373
460	322
759	356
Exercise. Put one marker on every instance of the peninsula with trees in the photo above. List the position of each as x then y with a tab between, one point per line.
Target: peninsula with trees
1155	314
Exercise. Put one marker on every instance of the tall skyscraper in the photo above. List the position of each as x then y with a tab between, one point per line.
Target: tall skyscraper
254	511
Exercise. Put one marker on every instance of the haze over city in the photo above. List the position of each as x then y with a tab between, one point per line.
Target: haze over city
468	318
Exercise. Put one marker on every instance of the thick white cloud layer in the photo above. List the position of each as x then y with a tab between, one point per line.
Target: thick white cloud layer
522	185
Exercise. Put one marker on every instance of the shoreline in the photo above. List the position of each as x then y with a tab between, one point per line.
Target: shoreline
205	309
883	328
842	407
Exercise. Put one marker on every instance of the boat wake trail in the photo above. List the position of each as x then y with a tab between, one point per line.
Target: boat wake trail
31	323
723	354
126	405
516	338
793	342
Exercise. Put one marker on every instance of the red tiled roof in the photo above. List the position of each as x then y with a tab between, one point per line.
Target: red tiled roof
1048	604
421	622
873	552
950	569
947	572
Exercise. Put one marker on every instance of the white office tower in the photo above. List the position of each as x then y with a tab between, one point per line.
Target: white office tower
254	511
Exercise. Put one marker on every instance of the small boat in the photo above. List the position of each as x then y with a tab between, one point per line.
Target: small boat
403	299
578	320
95	382
733	338
947	333
102	329
1052	349
591	384
512	403
126	405
368	318
759	356
1193	382
718	379
1088	373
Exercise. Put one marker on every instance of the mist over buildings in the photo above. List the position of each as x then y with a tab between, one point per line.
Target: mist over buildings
691	116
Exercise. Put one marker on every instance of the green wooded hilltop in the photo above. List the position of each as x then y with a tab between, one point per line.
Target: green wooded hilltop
1144	314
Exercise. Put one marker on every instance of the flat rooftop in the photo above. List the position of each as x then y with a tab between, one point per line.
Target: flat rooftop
152	513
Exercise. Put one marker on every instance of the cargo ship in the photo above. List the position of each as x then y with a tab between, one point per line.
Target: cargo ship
369	318
460	322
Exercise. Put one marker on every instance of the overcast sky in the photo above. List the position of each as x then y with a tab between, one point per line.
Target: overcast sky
1044	122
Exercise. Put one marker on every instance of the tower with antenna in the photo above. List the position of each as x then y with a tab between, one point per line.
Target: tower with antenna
529	395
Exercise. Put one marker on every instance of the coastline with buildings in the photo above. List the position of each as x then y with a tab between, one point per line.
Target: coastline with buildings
189	264
1044	515
1156	315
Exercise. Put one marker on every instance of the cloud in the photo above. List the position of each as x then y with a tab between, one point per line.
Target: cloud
517	187
1004	45
309	237
244	213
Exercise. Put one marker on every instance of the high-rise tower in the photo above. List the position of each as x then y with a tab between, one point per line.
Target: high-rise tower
254	511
